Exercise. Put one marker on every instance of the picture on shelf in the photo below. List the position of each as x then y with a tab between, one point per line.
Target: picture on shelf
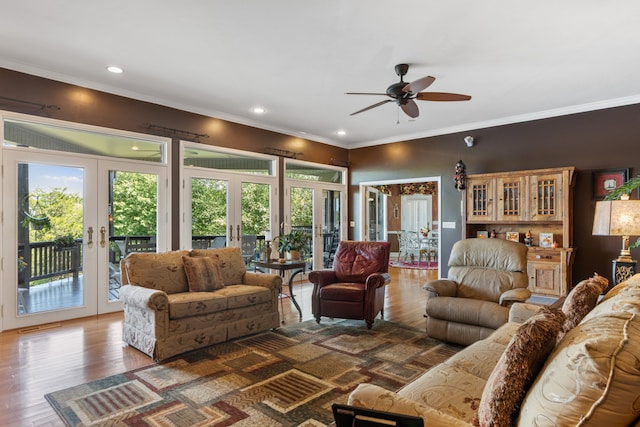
514	236
546	240
482	234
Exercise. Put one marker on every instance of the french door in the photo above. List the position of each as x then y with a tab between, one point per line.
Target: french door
54	275
229	199
75	200
44	281
315	202
132	218
318	210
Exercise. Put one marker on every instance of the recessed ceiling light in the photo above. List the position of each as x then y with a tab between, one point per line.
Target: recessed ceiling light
258	110
342	132
115	70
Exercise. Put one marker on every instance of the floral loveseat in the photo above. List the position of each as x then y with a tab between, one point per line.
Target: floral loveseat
169	310
590	376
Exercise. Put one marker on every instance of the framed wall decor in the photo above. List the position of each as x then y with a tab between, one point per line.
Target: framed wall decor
606	180
514	236
482	234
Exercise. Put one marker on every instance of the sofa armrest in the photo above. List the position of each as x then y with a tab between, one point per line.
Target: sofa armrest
371	396
520	312
514	295
322	277
144	298
376	280
266	280
441	288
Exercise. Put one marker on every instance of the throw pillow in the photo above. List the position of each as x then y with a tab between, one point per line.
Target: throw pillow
580	301
517	367
203	273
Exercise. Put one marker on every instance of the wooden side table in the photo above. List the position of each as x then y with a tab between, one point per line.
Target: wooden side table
296	268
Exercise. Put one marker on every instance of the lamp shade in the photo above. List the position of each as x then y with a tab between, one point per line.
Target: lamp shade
617	218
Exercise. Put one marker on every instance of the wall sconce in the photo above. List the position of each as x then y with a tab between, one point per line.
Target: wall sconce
396	210
619	218
468	140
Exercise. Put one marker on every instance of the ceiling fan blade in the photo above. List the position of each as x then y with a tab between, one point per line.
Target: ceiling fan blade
377	104
410	108
420	84
441	96
364	93
372	106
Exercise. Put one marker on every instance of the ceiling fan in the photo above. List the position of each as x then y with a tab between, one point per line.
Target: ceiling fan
403	93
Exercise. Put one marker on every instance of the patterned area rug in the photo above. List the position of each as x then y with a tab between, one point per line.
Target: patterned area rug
287	377
424	265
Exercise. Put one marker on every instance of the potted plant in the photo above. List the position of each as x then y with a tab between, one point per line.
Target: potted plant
295	243
36	223
65	241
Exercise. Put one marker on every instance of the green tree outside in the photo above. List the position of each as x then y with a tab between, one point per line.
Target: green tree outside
134	208
64	211
135	199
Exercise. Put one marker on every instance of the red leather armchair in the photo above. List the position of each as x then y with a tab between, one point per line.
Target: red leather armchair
355	288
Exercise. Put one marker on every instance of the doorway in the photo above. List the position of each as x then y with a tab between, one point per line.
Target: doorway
414	192
228	199
63	209
315	203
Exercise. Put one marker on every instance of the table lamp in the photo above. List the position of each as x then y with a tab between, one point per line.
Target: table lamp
619	218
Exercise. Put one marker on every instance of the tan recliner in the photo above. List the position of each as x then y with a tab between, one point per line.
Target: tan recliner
485	277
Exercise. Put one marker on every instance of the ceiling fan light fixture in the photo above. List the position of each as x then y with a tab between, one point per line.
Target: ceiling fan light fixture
404	93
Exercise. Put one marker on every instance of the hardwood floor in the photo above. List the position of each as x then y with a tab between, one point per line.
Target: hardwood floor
75	352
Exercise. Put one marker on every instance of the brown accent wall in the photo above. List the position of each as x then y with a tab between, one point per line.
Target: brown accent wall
593	140
87	106
601	139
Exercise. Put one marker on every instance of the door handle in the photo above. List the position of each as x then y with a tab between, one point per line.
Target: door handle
103	235
231	233
90	237
238	232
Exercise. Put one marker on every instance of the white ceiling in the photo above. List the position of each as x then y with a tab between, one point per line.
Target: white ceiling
518	60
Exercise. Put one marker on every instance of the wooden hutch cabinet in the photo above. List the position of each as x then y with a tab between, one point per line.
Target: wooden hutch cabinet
535	201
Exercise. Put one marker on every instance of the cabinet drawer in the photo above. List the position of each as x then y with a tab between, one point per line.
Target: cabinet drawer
543	255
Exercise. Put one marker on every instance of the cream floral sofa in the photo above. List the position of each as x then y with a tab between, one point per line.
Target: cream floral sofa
163	318
589	375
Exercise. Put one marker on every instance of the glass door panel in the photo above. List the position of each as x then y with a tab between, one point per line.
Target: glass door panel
331	214
375	215
50	218
318	212
132	212
209	199
222	209
256	219
301	218
49	212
